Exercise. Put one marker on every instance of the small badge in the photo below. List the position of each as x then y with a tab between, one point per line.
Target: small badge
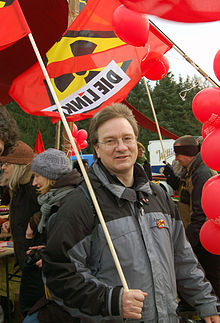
160	224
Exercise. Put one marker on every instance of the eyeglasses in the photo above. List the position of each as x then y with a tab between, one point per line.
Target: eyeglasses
113	143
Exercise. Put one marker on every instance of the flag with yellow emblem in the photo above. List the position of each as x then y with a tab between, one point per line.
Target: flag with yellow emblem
89	67
13	23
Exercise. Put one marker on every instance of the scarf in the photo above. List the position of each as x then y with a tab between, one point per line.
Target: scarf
48	200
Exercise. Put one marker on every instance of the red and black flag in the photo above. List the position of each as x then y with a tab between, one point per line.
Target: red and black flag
89	67
13	23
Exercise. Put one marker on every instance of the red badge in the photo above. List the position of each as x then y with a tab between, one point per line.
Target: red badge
160	224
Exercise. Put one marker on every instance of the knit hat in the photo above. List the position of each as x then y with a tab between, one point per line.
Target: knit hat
187	145
21	154
186	140
52	164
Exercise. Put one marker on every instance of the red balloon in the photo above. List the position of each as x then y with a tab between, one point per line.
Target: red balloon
216	65
81	136
130	26
209	181
84	145
75	130
207	128
210	237
77	146
210	150
155	69
210	199
206	103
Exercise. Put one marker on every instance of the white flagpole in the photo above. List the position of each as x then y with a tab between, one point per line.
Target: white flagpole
92	194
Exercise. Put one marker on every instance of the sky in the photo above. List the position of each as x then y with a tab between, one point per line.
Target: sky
198	41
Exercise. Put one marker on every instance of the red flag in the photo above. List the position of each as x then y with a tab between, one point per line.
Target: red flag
178	10
147	123
39	146
89	67
13	23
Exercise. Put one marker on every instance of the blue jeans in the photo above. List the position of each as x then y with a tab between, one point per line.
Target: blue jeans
31	318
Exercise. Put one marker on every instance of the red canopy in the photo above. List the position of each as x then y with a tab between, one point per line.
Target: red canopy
47	20
146	123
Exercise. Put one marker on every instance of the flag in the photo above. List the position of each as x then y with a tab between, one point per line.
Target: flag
89	67
189	11
13	23
148	124
39	146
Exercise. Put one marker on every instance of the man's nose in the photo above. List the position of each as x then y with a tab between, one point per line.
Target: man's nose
120	144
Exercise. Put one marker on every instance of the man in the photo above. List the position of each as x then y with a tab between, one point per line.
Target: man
189	187
146	231
142	159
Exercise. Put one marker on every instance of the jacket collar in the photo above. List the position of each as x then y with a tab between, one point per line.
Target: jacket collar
112	183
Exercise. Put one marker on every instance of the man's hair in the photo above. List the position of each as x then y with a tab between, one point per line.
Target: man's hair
140	145
9	131
116	110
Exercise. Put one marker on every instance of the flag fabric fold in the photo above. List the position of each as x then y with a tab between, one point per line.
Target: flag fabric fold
89	67
13	23
189	11
39	146
148	124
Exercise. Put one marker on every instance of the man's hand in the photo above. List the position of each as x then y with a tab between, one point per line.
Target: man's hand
168	170
212	319
132	303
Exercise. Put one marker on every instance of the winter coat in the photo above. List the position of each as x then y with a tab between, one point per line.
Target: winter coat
32	287
190	191
23	205
150	242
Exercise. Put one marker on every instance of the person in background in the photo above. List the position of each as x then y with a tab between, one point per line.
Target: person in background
85	163
142	159
9	131
9	134
22	202
23	198
147	233
189	188
54	178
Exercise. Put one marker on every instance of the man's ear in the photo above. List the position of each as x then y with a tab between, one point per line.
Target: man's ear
96	148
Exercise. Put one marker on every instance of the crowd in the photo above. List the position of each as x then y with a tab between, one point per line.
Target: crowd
68	271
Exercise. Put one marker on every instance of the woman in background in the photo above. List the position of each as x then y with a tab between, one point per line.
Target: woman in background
23	205
54	179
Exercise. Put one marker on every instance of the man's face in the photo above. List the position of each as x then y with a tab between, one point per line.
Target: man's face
183	160
2	146
120	157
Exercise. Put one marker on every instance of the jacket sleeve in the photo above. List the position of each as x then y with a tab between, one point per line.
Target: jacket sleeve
66	258
198	217
191	282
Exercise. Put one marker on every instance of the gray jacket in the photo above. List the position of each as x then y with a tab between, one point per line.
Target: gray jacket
150	242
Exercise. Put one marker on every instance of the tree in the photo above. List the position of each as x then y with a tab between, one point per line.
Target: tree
29	126
172	103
